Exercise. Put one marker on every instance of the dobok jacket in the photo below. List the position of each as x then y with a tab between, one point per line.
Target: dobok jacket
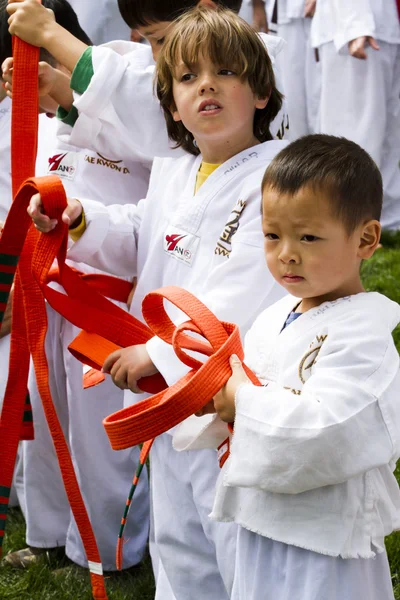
313	451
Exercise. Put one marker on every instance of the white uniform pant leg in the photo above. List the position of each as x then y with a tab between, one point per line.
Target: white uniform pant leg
47	508
360	101
270	570
300	75
197	554
104	475
391	153
17	487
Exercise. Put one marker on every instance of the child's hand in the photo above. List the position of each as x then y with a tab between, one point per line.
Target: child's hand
30	21
128	365
309	9
71	216
224	401
47	77
358	45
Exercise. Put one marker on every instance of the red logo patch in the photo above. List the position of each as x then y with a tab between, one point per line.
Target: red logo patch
173	240
55	161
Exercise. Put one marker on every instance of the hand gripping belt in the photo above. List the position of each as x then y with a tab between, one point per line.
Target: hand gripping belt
145	420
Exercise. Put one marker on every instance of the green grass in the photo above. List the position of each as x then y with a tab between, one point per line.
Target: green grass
39	582
381	273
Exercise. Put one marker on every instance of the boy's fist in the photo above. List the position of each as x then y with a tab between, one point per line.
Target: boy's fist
72	215
224	401
30	21
127	365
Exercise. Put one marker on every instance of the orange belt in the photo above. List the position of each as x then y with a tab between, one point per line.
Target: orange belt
145	420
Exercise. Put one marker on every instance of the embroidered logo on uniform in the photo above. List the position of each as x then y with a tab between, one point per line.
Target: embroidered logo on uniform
173	240
181	245
241	162
310	357
224	244
102	161
64	165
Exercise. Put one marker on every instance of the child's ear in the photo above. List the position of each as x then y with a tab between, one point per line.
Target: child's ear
261	102
175	113
369	238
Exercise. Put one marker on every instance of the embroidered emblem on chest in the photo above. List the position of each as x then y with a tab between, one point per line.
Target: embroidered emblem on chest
115	165
64	165
180	244
224	244
310	357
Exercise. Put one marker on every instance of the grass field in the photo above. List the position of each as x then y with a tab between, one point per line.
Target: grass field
381	273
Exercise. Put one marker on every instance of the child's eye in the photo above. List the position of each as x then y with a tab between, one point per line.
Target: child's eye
310	238
160	41
271	236
226	72
187	76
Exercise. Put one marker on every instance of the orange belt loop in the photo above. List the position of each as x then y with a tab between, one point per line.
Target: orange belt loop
152	416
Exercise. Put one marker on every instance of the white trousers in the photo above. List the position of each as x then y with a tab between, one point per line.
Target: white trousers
269	570
17	495
301	76
197	555
360	100
104	475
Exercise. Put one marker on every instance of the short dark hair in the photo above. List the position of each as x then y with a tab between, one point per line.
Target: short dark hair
139	13
64	15
336	165
231	43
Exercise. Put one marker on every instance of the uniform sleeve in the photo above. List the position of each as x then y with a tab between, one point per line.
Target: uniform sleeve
109	242
353	19
236	290
117	110
344	423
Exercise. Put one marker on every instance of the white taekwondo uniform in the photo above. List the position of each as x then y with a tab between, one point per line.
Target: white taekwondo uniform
210	243
46	137
104	475
101	20
360	99
118	110
299	68
310	475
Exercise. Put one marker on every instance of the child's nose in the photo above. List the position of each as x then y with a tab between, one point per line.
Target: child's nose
288	255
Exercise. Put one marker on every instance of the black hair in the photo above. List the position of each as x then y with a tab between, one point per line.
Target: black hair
64	15
139	13
347	172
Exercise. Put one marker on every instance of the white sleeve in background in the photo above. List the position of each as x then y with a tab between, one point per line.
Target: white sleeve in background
101	20
110	240
119	113
341	21
354	19
342	424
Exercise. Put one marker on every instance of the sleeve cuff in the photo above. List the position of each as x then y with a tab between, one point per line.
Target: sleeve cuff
77	232
83	72
67	117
